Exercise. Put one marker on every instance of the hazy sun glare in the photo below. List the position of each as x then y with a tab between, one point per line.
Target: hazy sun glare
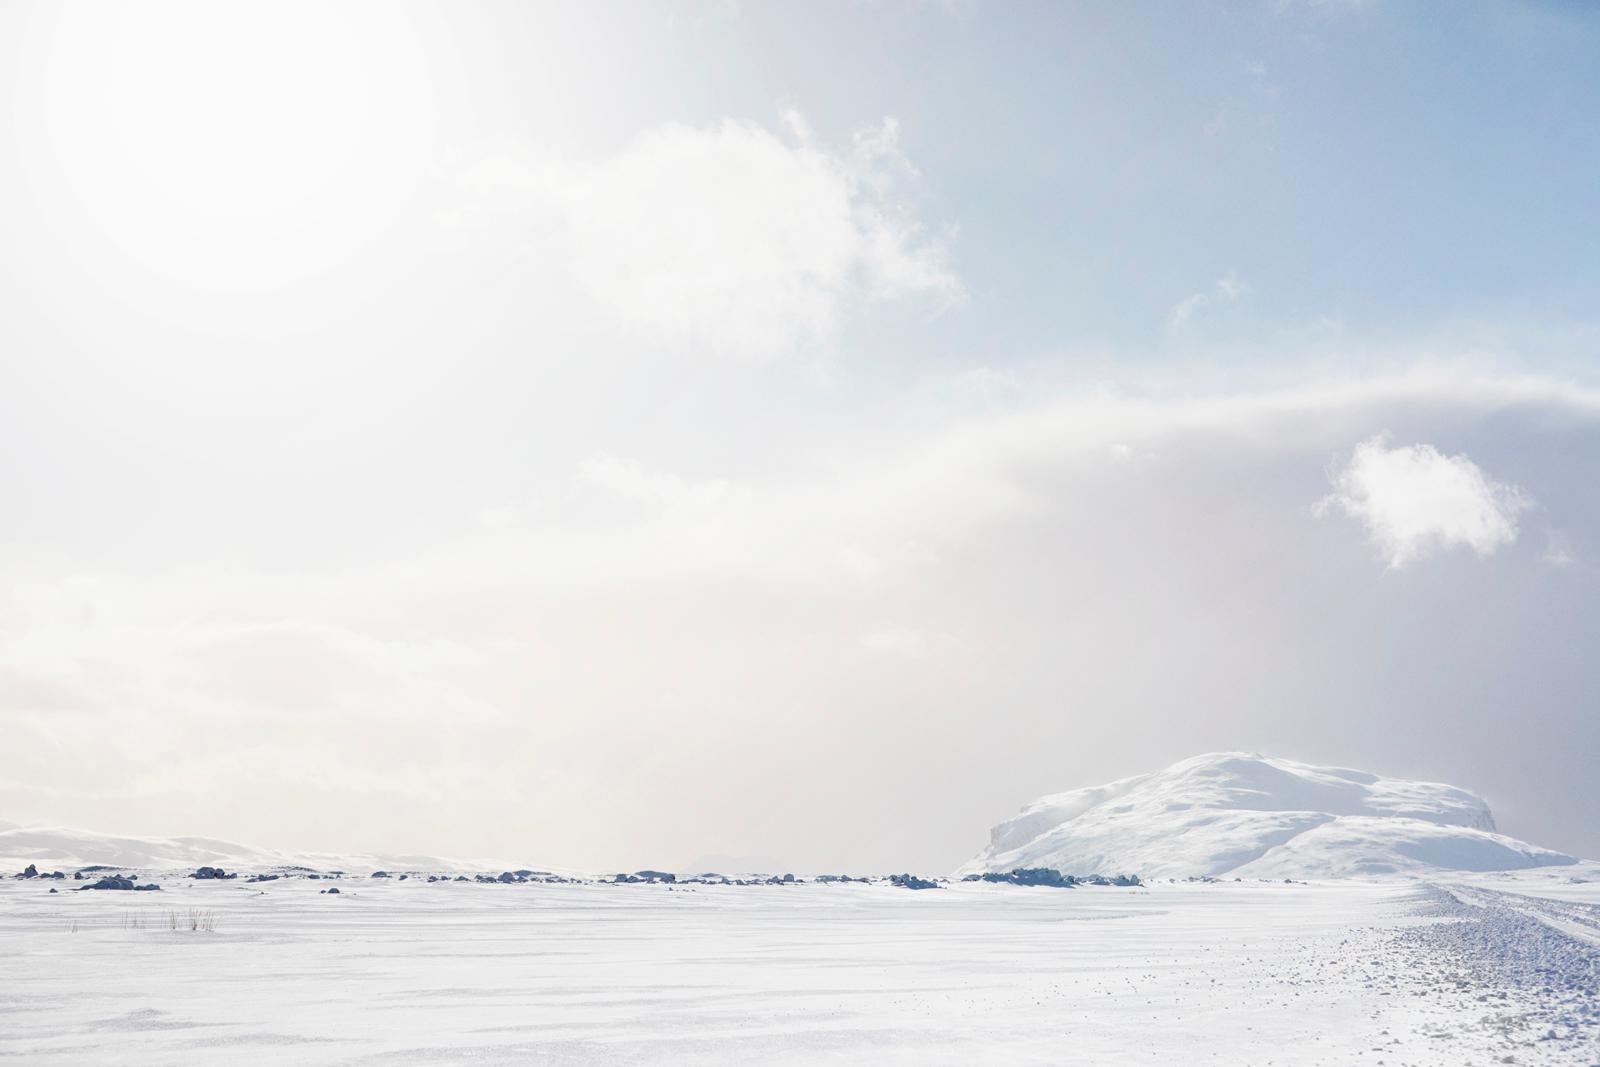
224	147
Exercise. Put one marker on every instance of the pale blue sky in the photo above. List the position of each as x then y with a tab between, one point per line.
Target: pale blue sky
1395	168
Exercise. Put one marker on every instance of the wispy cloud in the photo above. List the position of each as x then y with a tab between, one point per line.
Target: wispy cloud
646	629
730	239
1558	550
1225	290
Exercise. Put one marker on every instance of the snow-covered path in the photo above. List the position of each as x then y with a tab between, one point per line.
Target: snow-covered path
1508	947
1233	973
1573	918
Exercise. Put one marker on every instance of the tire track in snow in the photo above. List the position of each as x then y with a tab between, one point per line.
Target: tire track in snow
1532	964
1572	918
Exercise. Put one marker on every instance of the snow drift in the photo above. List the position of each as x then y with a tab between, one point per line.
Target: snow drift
1246	815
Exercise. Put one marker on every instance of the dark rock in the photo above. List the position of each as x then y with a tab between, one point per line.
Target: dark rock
1042	876
110	881
332	890
262	878
911	881
1047	877
52	889
29	872
1124	880
379	874
212	872
116	881
1026	876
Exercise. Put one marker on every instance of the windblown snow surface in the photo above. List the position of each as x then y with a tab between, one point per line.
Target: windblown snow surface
1252	816
447	972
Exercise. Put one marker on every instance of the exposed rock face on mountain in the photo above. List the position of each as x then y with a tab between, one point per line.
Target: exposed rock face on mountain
1245	815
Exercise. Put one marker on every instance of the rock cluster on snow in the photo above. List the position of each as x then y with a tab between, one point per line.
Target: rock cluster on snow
31	871
1046	876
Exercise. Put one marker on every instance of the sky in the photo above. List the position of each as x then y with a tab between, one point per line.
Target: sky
610	435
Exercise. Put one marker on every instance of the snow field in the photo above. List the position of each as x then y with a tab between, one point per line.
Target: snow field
1235	973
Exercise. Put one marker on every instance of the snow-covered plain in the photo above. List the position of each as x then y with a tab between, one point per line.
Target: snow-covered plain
1423	937
1246	972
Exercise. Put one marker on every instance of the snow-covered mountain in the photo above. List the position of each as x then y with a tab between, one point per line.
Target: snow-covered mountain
73	848
1246	815
49	847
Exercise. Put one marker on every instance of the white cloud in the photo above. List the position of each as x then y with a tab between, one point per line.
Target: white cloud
1415	501
730	238
1226	290
630	479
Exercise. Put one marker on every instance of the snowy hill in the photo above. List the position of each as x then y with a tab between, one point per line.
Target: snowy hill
1245	815
75	848
69	849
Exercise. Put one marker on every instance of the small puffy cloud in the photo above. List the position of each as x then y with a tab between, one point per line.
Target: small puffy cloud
1414	501
730	239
